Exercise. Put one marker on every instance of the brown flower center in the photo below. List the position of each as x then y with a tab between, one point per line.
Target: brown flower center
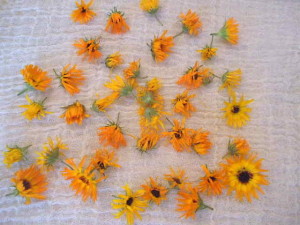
212	179
26	184
83	10
101	165
178	134
244	176
235	109
84	180
129	201
177	180
155	193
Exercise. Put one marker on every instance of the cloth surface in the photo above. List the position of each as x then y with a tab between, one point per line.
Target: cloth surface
42	33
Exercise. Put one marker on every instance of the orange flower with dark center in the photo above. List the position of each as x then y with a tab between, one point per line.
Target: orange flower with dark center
176	179
161	47
154	192
83	13
190	22
90	48
104	159
116	23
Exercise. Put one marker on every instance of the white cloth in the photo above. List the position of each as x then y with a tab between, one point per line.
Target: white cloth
42	33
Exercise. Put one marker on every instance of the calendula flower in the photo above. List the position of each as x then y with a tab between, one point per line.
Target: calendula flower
14	154
189	202
35	110
239	146
182	104
179	136
35	78
243	175
116	22
195	77
112	135
75	113
236	112
51	153
129	204
154	192
83	13
121	86
207	52
231	79
84	181
200	142
147	141
229	31
213	181
71	78
104	159
161	47
153	85
191	23
29	183
176	179
114	60
133	71
151	6
102	104
90	48
151	117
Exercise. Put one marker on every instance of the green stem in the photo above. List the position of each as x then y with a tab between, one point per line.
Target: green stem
155	16
212	39
213	34
215	76
118	117
180	33
42	103
207	206
66	164
170	121
23	91
56	73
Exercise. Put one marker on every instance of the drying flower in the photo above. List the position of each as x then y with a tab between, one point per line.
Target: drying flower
116	22
236	112
75	113
35	110
207	52
231	79
14	154
29	183
90	48
190	202
100	105
114	60
190	23
112	135
129	204
151	6
35	78
213	181
176	179
229	31
51	153
71	78
200	142
133	71
83	179
244	176
153	85
154	192
104	159
180	137
121	86
239	146
147	141
195	77
83	13
182	104
161	47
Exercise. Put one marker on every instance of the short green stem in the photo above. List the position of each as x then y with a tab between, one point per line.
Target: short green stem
180	33
155	16
23	91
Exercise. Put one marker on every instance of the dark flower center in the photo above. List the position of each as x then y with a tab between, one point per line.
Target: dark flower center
177	180
84	180
235	109
244	176
129	201
26	184
212	179
101	165
194	201
83	10
195	77
155	193
178	134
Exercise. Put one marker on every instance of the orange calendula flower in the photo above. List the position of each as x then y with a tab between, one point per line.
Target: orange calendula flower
112	135
195	77
180	137
243	175
120	85
229	31
35	78
29	183
116	22
14	154
182	104
104	159
102	104
154	192
151	116
189	202
207	52
231	79
75	113
83	13
200	142
90	48
114	60
213	181
71	78
176	179
84	181
147	141
35	110
133	71
239	146
191	23
161	47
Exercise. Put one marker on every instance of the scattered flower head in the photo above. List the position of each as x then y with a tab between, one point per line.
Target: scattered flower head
200	142
183	105
133	71
114	60
176	179
207	52
154	192
191	22
116	22
161	47
239	146
120	85
90	48
75	113
147	141
14	154
102	104
229	31
35	110
83	13
150	6
104	159
231	79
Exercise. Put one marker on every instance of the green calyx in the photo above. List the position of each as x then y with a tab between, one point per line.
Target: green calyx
148	98
52	157
126	90
150	112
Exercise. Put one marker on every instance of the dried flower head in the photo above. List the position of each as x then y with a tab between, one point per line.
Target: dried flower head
83	13
154	192
238	146
114	60
116	22
229	31
104	159
191	22
231	79
75	113
102	104
200	142
14	154
147	141
176	179
161	47
35	110
120	85
182	104
133	71
90	48
207	52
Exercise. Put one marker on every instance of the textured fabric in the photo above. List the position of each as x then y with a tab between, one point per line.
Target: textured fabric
41	33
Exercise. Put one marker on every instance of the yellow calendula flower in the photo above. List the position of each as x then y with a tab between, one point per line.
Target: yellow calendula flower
102	104
114	60
176	179
75	113
147	141
207	52
121	86
83	13
151	117
104	159
51	153
116	22
238	146
133	71
90	48
231	79
35	110
154	192
161	47
191	23
151	6
200	142
153	85
243	175
236	112
182	104
14	154
229	31
129	204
